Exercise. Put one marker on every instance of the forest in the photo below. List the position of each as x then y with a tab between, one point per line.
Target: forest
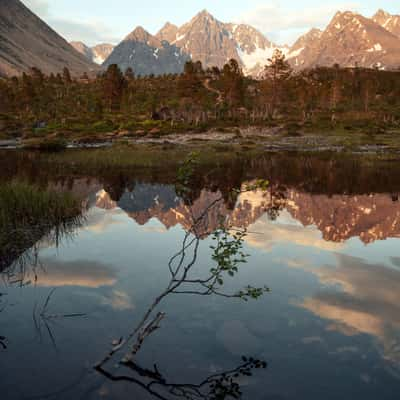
119	103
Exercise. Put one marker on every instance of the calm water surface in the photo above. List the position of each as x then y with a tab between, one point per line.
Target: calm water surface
325	238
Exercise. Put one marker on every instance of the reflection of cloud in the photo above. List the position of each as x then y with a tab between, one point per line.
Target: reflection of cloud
369	302
237	339
119	300
154	229
268	234
98	221
75	273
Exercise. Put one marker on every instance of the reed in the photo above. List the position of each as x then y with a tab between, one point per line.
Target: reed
28	213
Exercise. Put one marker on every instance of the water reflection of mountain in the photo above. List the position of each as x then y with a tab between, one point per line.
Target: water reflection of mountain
337	217
341	217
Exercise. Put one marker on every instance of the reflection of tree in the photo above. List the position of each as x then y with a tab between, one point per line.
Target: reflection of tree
227	256
215	387
277	197
14	263
42	317
2	338
27	227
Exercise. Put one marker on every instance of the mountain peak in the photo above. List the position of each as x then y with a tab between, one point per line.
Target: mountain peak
169	25
388	21
167	32
343	19
138	34
204	15
381	13
314	32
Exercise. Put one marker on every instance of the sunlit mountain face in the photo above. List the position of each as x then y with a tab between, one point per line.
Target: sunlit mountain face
323	235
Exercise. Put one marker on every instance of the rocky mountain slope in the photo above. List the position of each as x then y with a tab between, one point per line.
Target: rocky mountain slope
214	43
168	32
26	41
303	47
101	52
253	48
207	40
388	21
350	39
146	54
97	54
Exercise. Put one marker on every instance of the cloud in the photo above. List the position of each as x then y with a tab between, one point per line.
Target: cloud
280	22
40	7
90	32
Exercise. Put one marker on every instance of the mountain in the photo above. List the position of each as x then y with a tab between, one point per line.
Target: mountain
97	54
26	41
304	46
83	49
253	48
146	54
168	32
351	39
388	21
101	52
214	43
207	40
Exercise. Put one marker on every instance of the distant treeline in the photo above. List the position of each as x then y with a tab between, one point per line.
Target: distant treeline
199	99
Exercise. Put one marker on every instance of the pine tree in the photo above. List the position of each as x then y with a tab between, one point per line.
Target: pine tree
66	75
113	87
276	74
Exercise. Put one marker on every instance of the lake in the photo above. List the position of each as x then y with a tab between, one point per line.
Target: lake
146	296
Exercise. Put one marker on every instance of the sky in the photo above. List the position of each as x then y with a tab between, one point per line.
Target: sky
282	21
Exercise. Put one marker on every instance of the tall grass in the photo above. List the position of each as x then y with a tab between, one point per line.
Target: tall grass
28	213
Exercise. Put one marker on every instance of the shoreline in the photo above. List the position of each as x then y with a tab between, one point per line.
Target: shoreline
269	139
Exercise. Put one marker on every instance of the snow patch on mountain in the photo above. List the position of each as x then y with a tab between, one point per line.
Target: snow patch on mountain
295	53
376	47
99	59
257	58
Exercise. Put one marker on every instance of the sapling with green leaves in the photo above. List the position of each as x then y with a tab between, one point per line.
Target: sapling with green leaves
227	255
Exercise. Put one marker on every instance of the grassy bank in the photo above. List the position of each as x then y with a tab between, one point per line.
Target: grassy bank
28	213
128	156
